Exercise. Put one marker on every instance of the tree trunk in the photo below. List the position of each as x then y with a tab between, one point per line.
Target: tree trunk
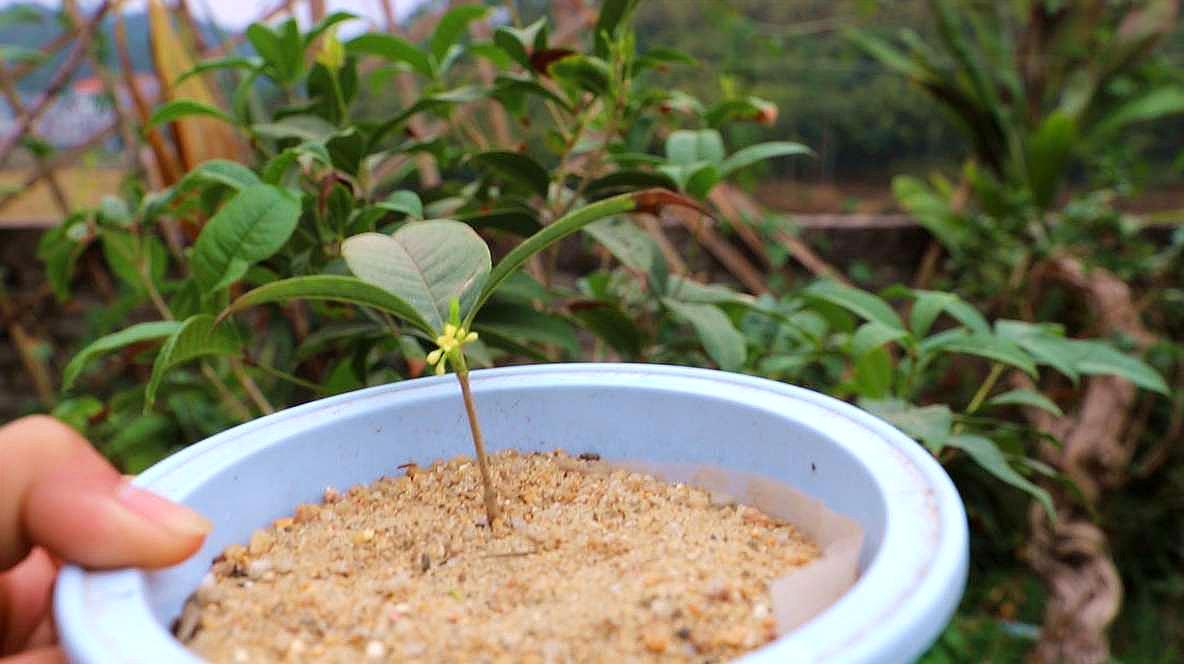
1072	555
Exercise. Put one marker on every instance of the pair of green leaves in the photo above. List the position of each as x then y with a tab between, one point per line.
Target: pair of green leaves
697	161
416	273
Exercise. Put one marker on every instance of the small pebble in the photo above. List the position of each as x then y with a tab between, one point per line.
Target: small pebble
375	650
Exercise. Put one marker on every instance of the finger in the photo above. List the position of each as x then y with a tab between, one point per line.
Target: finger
25	592
57	492
44	635
40	656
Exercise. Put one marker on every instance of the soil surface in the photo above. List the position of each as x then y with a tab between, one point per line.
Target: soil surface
586	564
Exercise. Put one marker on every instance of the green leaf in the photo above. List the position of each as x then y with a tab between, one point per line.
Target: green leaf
887	54
625	241
142	438
1044	345
224	62
930	304
872	335
723	342
282	48
685	147
452	26
304	127
350	290
346	149
121	251
986	454
426	263
612	13
1099	357
198	336
873	373
626	181
392	49
524	323
113	210
993	348
584	72
1047	156
932	211
552	233
59	248
508	88
519	221
439	100
181	108
135	334
659	56
517	168
326	23
608	322
926	308
403	202
931	425
702	180
966	314
77	412
252	226
859	302
1158	102
760	152
519	42
1023	397
751	109
223	171
685	289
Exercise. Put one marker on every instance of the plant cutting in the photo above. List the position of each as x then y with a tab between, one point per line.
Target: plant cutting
435	276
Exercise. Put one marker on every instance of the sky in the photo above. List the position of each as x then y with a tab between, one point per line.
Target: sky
236	14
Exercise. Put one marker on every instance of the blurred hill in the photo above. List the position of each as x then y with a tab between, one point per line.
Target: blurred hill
31	26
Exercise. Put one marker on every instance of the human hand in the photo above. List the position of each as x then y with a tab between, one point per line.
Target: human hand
60	501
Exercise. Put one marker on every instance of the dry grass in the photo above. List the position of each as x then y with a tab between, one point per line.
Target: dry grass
84	186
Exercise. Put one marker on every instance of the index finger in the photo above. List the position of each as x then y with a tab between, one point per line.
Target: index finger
57	492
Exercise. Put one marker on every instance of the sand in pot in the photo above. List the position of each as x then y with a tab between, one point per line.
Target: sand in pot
591	564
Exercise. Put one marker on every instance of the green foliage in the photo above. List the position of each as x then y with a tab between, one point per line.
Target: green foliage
239	312
251	227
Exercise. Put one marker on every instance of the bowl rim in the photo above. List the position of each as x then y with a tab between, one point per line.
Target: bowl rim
901	602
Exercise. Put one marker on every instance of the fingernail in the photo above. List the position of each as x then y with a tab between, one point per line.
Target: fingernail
162	512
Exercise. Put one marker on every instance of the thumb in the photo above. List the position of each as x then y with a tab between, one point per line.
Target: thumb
38	656
58	493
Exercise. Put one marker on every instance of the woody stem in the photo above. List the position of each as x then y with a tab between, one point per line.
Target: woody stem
462	376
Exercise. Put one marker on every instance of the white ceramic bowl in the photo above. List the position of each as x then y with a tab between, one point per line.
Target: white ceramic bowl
914	558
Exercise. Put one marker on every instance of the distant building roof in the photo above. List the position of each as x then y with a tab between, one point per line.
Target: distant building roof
93	85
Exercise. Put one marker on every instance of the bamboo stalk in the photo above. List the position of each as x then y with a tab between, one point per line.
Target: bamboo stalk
166	164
